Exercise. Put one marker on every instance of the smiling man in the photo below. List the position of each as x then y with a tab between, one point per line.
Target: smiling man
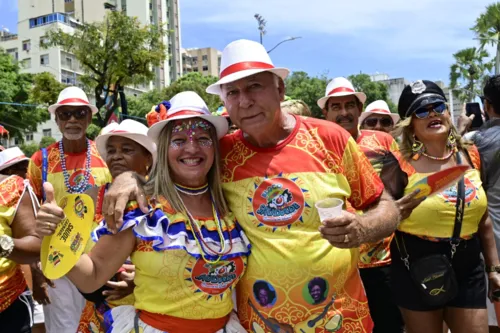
71	165
343	105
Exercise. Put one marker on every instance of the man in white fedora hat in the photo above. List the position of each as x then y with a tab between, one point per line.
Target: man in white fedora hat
13	162
276	167
343	105
378	117
71	165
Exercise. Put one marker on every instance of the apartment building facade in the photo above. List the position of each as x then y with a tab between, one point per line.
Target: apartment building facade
203	60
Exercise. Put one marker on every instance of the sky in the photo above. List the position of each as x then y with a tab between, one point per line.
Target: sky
401	38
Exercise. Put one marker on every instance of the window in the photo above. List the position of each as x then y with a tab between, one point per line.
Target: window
44	59
204	57
26	63
29	137
26	45
151	19
13	53
205	68
195	69
47	132
151	6
194	60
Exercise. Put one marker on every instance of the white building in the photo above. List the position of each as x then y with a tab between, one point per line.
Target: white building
35	17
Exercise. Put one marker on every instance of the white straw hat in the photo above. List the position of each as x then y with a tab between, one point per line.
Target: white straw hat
378	107
340	86
244	58
11	156
72	96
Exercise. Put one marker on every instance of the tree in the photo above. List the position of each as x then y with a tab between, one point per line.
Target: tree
93	131
139	106
115	53
15	89
487	29
29	149
468	69
373	90
299	85
46	141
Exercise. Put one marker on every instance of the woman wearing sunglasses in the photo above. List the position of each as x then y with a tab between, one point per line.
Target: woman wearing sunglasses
437	271
378	117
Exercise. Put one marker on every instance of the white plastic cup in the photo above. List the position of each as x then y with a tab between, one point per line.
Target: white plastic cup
329	208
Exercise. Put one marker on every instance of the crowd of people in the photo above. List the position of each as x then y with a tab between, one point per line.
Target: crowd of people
206	222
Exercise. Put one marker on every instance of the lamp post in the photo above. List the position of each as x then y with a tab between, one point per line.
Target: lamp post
497	58
262	25
283	41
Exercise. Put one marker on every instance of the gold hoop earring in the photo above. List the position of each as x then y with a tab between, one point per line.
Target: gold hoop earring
417	148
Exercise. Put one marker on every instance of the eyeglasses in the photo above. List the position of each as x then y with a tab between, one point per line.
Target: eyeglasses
384	122
78	114
425	111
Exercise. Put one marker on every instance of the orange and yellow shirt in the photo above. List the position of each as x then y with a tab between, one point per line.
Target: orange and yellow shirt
75	165
295	279
376	144
434	218
12	282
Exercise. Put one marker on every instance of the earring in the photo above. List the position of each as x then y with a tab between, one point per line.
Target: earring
417	148
452	142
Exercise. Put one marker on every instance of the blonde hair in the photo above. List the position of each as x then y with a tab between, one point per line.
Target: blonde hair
404	130
296	106
162	184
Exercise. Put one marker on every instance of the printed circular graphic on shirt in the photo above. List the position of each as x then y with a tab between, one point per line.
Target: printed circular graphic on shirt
450	194
264	293
278	202
79	176
315	291
214	279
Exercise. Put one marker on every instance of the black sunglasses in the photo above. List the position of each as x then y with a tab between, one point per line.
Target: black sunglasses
384	122
425	111
78	114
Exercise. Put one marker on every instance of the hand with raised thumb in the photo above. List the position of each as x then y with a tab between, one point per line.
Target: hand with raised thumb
50	214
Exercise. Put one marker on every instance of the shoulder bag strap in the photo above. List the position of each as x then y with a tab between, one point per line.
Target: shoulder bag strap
459	211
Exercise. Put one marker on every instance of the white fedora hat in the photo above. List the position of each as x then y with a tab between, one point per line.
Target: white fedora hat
188	104
340	86
378	107
72	96
243	58
129	129
11	156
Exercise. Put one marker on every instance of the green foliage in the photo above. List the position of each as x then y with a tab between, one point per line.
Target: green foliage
46	141
299	85
374	91
487	27
114	53
15	87
139	106
93	131
468	72
29	148
45	90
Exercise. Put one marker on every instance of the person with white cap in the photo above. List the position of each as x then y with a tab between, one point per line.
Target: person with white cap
343	105
124	147
19	243
274	170
14	162
71	165
188	248
378	117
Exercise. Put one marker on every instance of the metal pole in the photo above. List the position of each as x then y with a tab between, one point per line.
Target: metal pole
497	62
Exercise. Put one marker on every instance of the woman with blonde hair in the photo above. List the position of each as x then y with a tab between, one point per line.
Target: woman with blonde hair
296	106
437	272
188	250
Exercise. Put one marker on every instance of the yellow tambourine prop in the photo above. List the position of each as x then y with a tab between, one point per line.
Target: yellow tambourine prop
61	251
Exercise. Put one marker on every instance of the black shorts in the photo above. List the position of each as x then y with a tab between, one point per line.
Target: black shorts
18	316
385	314
467	264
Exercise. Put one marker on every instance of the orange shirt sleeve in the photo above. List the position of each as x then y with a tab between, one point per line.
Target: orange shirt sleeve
366	186
35	173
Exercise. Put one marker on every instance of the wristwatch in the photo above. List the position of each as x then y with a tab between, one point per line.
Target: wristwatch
492	269
6	246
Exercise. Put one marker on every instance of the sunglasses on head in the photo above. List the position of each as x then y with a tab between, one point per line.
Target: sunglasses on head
425	111
78	114
384	122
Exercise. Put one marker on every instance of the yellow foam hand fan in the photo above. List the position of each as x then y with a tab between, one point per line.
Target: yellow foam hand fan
61	251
